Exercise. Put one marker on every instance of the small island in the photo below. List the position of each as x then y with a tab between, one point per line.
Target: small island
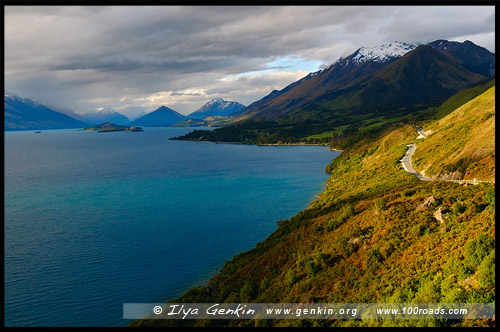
109	127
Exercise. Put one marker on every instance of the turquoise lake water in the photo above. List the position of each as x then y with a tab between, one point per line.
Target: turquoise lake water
95	220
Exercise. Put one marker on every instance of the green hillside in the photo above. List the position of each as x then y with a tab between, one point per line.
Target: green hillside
365	239
465	138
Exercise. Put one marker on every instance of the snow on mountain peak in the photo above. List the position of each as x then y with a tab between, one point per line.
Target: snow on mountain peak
10	95
13	96
216	101
383	52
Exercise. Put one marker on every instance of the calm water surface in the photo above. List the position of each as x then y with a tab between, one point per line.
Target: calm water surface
95	220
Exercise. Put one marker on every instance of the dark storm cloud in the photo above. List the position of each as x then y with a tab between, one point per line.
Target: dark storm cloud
133	57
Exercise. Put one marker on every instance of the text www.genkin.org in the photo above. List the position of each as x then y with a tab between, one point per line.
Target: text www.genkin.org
308	311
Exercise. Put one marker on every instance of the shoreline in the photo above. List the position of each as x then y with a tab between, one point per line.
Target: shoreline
269	144
315	199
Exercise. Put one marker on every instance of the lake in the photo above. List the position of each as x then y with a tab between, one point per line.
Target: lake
95	220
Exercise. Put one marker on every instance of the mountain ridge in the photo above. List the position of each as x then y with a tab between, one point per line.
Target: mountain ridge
161	117
216	107
106	115
348	101
340	76
27	114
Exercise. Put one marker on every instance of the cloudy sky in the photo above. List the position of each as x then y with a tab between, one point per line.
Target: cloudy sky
135	59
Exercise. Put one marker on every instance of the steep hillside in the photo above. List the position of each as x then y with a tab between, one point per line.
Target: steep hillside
466	137
370	238
471	56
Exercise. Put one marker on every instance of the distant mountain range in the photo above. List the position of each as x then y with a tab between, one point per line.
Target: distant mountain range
162	117
106	115
385	82
24	113
217	107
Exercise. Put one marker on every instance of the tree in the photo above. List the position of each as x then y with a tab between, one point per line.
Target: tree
380	205
487	271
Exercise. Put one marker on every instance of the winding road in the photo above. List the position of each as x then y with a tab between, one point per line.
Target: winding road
406	161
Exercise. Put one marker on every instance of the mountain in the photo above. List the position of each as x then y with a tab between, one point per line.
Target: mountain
377	234
348	85
471	56
68	112
340	74
162	117
24	113
422	76
106	115
217	107
355	97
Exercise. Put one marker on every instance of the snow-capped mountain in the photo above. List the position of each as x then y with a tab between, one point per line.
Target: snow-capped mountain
107	115
217	107
9	96
350	80
382	53
24	113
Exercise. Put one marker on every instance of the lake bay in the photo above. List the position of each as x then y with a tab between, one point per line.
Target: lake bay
95	220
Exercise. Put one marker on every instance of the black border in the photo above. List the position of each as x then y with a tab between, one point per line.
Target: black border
233	3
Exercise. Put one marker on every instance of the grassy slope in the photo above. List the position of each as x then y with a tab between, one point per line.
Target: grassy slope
465	138
364	241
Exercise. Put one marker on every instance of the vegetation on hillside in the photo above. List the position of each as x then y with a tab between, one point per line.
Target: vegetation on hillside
368	238
465	138
340	129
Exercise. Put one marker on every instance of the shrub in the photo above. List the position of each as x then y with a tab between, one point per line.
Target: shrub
430	291
291	277
312	268
452	267
264	284
332	224
457	295
374	258
487	271
323	259
346	212
458	208
345	247
477	249
380	204
465	272
248	292
489	196
232	298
